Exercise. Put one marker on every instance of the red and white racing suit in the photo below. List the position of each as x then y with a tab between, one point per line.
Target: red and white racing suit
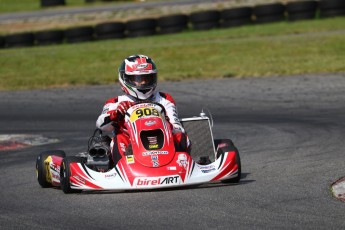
122	140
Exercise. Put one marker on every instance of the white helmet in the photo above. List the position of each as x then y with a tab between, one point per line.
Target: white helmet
138	76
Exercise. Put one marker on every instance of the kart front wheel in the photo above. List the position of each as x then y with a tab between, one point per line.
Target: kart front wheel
65	173
42	167
226	145
238	177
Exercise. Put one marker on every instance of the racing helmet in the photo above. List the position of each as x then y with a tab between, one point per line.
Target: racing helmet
138	76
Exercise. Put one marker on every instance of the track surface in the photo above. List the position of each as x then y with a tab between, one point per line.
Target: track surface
289	130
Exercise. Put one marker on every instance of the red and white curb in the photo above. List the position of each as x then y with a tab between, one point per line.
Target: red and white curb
338	189
18	141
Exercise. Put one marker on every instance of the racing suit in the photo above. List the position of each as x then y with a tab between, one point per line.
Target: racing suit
120	141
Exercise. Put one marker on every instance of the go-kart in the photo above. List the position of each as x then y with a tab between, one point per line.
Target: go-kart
152	161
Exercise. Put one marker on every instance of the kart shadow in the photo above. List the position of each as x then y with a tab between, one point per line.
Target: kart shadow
199	186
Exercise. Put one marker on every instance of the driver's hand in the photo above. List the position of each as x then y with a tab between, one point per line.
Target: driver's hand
123	107
119	113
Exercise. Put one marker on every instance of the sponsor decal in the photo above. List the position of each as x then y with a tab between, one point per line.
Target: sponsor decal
154	157
207	170
155	146
156	181
171	168
130	159
110	176
206	167
150	123
152	140
142	66
182	160
149	153
153	143
155	162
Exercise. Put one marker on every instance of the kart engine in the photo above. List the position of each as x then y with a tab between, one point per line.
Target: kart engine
98	152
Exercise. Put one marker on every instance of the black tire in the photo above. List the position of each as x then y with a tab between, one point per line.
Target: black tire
236	22
19	40
332	13
270	9
109	28
140	33
331	4
46	3
141	25
41	169
79	34
236	13
2	42
205	25
302	16
298	7
49	37
109	36
171	30
270	18
204	17
65	173
179	20
229	146
112	30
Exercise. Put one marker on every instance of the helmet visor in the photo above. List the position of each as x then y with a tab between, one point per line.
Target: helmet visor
143	81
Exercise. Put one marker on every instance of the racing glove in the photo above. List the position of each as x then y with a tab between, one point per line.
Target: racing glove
120	112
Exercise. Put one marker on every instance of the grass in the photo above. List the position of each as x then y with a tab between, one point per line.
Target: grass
306	47
8	6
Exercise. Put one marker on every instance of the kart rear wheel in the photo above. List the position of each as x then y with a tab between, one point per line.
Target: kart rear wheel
65	173
41	166
226	145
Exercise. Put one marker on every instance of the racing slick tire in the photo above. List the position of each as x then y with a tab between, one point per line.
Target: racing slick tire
226	146
65	173
41	167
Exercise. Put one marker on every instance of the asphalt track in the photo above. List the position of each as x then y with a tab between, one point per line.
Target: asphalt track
289	130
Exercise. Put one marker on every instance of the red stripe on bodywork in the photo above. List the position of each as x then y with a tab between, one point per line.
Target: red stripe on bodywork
76	172
228	167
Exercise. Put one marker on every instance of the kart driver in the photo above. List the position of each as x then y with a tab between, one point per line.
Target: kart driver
138	79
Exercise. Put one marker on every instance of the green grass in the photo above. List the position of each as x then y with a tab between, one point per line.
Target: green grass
307	47
7	6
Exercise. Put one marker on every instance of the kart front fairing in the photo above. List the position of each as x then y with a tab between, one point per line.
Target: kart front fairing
150	134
